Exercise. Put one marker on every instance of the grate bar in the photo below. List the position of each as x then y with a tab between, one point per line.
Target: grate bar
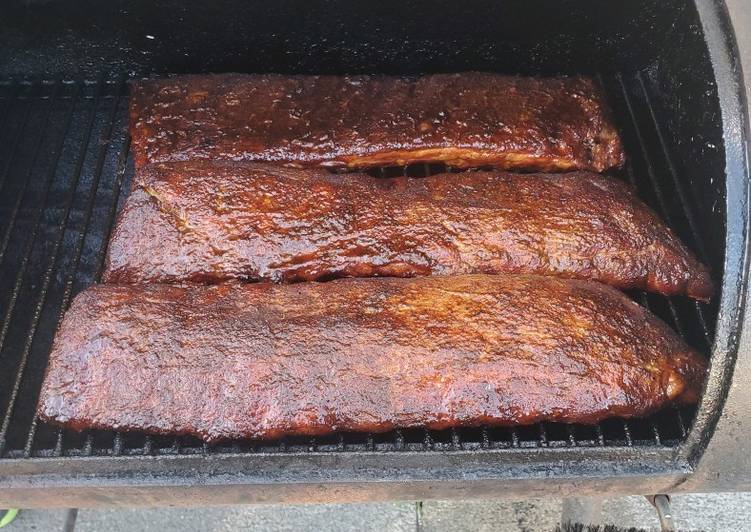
148	445
117	444
428	442
456	442
600	435
58	450
655	433
29	445
543	435
398	440
88	445
485	438
515	437
571	431
627	433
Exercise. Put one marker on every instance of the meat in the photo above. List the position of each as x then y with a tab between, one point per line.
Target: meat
207	221
464	120
264	360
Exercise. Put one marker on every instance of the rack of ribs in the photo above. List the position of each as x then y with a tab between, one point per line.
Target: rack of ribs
211	221
266	360
463	120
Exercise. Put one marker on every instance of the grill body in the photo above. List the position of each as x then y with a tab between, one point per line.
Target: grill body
672	74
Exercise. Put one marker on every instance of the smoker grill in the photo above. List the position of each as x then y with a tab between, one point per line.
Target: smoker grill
672	74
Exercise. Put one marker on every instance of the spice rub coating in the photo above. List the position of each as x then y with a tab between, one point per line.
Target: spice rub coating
265	361
464	120
207	221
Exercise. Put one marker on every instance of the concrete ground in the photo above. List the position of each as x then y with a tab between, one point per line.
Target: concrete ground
713	512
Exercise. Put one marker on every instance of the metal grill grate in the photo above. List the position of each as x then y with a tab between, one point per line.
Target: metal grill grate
64	162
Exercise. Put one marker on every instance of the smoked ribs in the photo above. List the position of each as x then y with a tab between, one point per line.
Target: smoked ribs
265	361
208	221
464	120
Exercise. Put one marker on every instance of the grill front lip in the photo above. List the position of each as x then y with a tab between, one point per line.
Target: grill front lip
290	475
334	477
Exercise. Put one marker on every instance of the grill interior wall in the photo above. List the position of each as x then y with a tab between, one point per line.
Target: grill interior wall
64	172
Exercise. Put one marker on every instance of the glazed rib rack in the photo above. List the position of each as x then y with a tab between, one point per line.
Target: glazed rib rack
65	168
